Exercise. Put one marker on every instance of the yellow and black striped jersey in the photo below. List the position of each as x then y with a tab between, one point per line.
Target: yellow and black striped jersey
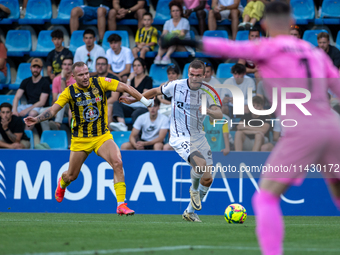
88	106
147	36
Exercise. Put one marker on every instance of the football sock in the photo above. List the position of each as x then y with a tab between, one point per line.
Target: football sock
203	191
269	222
195	179
120	189
63	184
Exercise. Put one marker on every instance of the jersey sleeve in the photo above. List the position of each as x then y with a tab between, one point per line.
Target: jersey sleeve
252	50
108	83
225	128
168	89
137	36
64	97
165	123
154	35
138	123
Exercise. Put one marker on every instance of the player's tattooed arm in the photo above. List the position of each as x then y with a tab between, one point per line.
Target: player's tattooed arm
45	116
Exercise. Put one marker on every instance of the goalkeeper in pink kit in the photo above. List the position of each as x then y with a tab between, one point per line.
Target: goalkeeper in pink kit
285	61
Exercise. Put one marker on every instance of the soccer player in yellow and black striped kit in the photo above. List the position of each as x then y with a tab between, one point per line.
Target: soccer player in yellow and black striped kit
88	104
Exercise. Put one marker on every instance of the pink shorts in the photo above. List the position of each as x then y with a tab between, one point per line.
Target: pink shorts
298	150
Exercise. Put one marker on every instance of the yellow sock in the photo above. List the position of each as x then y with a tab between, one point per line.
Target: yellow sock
63	184
120	189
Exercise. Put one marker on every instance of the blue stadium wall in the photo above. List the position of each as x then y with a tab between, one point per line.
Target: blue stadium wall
157	183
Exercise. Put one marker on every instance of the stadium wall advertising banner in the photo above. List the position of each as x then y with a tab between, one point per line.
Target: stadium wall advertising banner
157	183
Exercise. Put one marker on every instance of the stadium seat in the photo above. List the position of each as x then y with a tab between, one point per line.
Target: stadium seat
338	41
29	134
76	40
162	12
44	45
158	74
37	12
224	70
216	33
303	11
185	71
56	139
64	11
242	35
123	34
24	71
120	137
330	12
8	77
18	43
311	36
6	99
13	5
128	121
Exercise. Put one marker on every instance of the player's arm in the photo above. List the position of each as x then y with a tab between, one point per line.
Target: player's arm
46	115
122	87
159	139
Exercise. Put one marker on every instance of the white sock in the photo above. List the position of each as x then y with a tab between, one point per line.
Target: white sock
195	179
119	203
203	190
190	209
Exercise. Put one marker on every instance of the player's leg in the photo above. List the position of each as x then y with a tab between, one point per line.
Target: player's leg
77	159
270	226
109	151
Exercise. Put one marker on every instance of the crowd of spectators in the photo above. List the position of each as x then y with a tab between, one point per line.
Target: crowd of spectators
149	125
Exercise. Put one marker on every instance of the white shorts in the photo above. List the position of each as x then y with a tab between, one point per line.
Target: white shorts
184	147
25	106
226	13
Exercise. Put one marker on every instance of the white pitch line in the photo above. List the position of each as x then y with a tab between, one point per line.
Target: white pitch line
173	248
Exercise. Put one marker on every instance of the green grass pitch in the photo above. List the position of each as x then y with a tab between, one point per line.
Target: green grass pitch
86	234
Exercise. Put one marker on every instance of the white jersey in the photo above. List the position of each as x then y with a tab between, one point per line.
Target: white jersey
186	117
150	129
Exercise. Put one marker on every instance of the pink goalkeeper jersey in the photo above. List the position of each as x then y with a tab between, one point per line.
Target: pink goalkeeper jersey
284	61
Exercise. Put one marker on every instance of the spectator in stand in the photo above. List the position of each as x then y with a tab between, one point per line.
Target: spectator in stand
209	72
36	90
277	132
102	67
89	52
95	9
56	56
251	138
12	129
333	52
140	82
252	13
123	9
217	135
173	74
60	82
3	67
242	81
4	12
153	125
120	58
176	25
295	30
251	69
201	7
146	37
225	9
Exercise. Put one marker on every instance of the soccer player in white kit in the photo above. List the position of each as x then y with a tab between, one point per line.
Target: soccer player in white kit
186	131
